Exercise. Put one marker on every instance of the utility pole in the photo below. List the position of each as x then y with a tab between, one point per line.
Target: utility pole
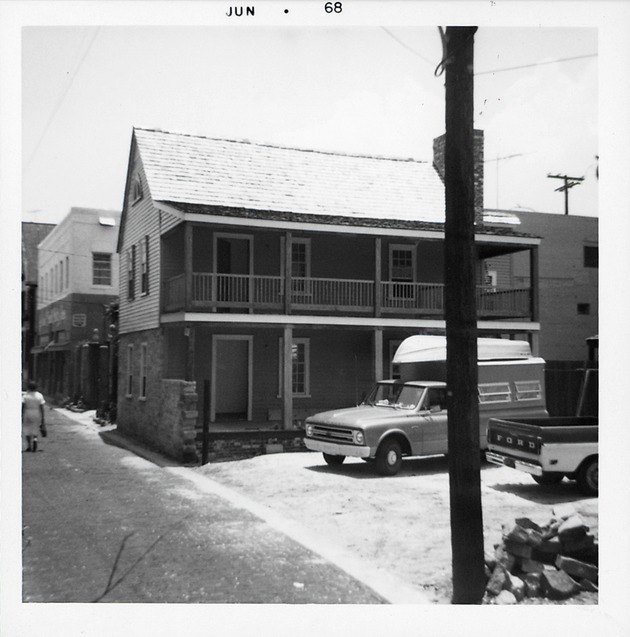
569	182
461	322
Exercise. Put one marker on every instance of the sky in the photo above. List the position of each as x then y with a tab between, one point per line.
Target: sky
350	89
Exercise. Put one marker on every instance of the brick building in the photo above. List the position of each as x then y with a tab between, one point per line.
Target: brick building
263	283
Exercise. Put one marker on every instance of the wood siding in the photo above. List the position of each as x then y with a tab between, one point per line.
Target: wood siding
141	219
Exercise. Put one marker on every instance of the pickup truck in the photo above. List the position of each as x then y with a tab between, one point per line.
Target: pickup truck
550	449
408	416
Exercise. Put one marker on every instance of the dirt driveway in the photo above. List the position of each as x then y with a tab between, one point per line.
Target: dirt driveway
399	524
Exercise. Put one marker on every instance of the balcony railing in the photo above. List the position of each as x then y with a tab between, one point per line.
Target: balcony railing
210	292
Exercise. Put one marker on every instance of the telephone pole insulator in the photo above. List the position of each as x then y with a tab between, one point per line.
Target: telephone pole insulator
569	182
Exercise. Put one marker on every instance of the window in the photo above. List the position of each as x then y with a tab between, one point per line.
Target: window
131	273
300	264
402	261
584	308
143	370
129	370
67	272
300	367
101	268
494	393
136	192
144	266
528	390
591	257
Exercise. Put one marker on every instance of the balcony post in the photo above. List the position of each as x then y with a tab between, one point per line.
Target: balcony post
190	333
534	305
288	237
287	377
188	265
378	288
378	353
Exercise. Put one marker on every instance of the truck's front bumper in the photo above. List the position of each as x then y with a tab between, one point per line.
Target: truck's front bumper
335	449
515	463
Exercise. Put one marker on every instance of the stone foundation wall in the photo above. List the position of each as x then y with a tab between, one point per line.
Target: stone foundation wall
238	445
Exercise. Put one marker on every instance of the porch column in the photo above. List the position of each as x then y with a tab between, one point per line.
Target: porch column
190	333
288	237
534	284
534	343
287	377
378	353
378	288
188	264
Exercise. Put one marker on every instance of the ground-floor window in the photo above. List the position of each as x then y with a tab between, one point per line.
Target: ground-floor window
129	370
300	366
143	370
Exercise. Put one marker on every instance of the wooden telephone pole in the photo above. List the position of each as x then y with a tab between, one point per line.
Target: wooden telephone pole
569	182
461	322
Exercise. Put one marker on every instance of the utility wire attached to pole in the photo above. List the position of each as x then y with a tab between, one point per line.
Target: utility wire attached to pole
569	182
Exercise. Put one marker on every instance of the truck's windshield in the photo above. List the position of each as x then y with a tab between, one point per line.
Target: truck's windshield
399	396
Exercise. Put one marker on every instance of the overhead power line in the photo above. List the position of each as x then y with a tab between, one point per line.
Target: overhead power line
527	66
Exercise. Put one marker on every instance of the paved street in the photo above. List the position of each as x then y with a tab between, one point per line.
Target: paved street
101	524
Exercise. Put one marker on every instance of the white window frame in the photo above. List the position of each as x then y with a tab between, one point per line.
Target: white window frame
394	292
528	390
102	254
129	393
307	367
492	393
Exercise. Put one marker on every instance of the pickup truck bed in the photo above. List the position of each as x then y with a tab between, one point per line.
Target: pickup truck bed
548	448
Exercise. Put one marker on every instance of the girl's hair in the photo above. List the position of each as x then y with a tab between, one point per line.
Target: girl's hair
32	385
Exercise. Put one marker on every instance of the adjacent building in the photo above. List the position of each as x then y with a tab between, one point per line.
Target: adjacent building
32	235
77	282
568	278
261	283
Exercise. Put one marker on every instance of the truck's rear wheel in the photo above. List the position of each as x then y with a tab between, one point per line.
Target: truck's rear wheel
588	477
333	460
389	458
549	478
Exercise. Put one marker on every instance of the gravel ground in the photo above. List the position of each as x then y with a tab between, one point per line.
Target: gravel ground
399	524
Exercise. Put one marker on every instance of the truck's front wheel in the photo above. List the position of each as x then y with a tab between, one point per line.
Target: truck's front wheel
549	478
333	460
389	458
588	477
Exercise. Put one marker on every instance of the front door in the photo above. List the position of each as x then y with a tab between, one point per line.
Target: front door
233	261
232	378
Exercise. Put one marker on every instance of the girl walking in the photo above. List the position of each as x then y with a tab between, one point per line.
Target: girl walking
33	420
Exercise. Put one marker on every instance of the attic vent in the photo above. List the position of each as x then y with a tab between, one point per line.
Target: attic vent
136	191
107	221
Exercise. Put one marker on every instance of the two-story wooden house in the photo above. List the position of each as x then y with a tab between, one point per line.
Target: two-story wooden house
260	283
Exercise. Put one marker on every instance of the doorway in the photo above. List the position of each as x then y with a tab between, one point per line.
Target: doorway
231	387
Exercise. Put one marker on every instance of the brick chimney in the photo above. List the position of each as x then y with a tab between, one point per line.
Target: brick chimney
438	163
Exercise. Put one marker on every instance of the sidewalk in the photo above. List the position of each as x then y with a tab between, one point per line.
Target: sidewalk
107	520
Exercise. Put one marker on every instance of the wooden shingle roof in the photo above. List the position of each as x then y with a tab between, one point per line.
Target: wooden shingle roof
206	172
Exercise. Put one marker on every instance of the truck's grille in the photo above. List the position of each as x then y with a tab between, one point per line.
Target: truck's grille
331	433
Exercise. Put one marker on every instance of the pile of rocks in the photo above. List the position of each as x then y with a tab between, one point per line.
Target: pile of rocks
555	561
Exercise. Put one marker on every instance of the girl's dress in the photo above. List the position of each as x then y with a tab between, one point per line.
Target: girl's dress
32	418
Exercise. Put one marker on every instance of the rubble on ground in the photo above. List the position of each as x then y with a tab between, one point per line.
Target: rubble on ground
555	561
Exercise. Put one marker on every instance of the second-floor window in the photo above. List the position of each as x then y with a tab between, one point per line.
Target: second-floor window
402	263
144	266
300	264
101	268
131	272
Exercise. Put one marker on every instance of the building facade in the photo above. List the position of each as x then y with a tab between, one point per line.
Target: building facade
32	235
568	278
260	284
77	281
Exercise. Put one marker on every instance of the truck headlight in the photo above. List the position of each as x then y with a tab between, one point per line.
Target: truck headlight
358	437
309	429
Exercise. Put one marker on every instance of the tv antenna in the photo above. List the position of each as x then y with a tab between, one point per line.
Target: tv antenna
569	182
497	160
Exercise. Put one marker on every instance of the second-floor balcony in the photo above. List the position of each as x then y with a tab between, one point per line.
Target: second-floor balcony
268	294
